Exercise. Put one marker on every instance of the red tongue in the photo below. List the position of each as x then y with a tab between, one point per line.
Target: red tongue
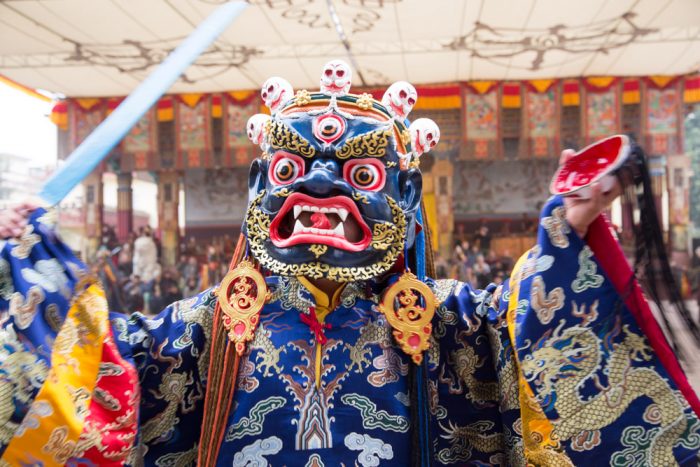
320	221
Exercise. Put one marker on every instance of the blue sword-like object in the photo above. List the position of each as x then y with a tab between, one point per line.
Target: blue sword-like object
102	140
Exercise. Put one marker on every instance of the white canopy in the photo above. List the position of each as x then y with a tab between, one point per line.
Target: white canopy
106	47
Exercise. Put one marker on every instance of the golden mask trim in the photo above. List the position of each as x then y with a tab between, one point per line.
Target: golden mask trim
382	236
318	250
281	136
258	227
372	144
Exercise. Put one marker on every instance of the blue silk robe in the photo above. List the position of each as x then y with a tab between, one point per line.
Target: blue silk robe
550	369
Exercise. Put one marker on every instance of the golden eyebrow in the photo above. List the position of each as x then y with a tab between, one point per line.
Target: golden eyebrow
371	144
281	136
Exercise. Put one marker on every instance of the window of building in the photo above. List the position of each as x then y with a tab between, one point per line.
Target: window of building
217	140
511	124
631	120
571	127
166	144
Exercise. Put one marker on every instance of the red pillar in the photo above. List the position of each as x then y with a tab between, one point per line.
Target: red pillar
168	203
125	212
93	213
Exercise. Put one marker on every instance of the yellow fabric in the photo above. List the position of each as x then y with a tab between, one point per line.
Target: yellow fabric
541	85
438	102
61	405
87	103
191	99
631	97
431	215
216	111
541	447
165	115
324	305
60	119
691	96
482	86
600	81
241	95
661	80
571	98
511	102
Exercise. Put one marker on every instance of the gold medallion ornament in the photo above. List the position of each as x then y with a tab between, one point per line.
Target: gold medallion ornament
409	306
242	294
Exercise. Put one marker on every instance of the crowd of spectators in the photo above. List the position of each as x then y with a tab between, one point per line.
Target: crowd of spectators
135	279
474	262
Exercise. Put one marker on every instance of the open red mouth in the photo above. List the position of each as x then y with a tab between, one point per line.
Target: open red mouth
332	221
334	88
419	148
398	109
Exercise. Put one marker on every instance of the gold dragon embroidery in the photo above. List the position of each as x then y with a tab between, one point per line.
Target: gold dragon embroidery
268	356
560	363
372	333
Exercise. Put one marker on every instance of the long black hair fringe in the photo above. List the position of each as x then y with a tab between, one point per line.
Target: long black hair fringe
651	264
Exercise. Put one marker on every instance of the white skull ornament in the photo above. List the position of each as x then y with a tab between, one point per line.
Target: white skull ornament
255	128
276	92
399	99
336	78
425	134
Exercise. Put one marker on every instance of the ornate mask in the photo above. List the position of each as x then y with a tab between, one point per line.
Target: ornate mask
336	194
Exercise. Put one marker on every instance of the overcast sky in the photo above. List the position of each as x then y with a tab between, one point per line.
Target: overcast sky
25	128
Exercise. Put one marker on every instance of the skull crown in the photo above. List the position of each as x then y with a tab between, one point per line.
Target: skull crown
276	92
336	80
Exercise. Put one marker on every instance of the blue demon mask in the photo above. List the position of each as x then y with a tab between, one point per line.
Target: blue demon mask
337	190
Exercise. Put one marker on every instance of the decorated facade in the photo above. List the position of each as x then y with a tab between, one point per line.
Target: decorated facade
493	134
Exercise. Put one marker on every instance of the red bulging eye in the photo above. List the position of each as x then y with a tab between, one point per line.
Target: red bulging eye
285	168
328	72
270	88
411	101
340	73
429	136
367	174
402	94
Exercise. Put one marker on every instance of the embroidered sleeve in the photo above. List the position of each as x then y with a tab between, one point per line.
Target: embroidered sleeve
590	381
171	354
